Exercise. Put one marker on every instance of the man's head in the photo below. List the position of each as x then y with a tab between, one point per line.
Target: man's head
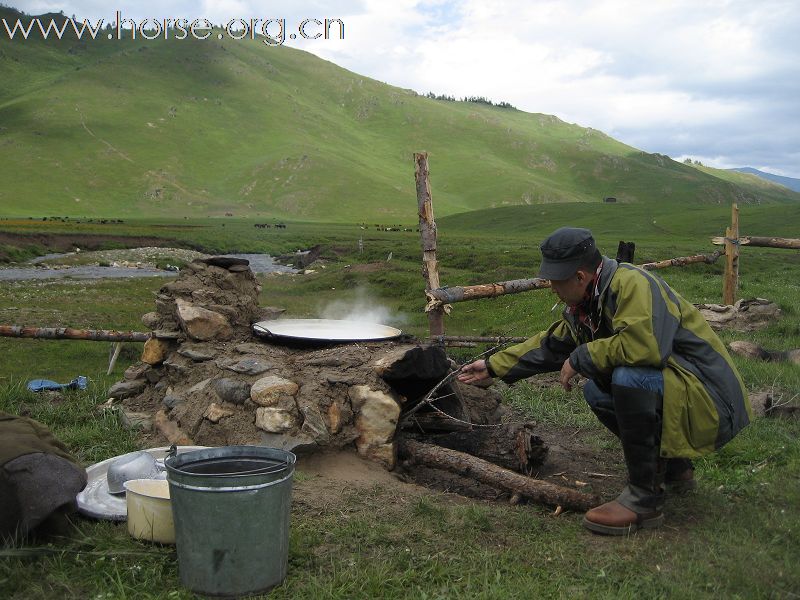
569	261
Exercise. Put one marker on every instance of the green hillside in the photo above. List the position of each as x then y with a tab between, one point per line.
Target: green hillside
204	128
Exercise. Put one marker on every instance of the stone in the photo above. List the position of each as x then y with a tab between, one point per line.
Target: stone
197	352
385	454
127	389
376	421
793	356
167	334
152	375
385	362
202	324
298	444
231	390
170	401
313	424
760	402
136	420
335	418
359	394
229	312
136	371
238	268
178	365
748	349
196	266
155	351
151	320
199	387
268	391
246	366
215	412
275	420
170	430
745	315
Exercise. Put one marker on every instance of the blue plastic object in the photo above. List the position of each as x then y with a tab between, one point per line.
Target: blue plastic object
39	385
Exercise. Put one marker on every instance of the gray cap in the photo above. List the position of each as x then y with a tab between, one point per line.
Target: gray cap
564	251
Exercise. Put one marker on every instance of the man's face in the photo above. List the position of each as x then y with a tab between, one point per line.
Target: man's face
571	290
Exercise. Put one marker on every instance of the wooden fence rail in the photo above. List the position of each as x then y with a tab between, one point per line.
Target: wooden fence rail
68	333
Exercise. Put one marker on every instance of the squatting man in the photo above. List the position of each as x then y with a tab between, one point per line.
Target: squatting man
658	377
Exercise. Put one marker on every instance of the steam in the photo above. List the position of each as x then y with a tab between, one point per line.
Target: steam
362	307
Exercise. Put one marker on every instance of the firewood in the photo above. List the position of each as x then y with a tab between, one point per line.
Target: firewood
512	446
539	491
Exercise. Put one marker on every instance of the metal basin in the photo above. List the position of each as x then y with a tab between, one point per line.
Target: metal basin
134	465
325	330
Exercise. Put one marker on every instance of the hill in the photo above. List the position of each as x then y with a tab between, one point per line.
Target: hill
208	128
790	182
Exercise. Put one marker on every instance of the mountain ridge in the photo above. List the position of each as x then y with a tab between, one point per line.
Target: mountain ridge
792	183
209	128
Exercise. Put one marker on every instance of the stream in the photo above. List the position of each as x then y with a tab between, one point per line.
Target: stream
259	263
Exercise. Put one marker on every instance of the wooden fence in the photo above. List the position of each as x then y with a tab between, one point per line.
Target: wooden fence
439	299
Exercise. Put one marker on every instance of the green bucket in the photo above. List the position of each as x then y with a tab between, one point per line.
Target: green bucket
231	511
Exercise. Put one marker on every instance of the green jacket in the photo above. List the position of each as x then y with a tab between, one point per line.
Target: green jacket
644	323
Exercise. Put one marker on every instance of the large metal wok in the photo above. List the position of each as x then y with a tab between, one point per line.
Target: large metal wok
325	330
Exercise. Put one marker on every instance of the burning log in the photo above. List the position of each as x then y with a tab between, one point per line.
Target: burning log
512	446
461	463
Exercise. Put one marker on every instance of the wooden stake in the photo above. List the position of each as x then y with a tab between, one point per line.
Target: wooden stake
427	231
114	357
731	281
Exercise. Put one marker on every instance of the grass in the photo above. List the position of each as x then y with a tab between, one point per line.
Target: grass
738	536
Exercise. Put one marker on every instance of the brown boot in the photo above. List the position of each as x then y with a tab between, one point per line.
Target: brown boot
612	518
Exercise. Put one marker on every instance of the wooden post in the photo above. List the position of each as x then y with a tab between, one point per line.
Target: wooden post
427	232
731	281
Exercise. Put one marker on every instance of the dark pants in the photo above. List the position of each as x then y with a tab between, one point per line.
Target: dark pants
632	411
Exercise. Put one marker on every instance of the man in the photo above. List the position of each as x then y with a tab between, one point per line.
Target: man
659	377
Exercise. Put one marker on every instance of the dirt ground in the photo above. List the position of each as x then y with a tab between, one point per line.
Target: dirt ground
329	479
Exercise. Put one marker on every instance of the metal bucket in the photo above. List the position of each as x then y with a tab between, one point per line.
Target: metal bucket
231	511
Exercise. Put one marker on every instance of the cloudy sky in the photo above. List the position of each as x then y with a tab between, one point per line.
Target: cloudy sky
714	80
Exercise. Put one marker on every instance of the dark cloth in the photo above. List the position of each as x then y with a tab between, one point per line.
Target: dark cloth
20	435
38	477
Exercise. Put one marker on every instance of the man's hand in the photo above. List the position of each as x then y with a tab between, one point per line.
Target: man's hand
567	373
474	372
